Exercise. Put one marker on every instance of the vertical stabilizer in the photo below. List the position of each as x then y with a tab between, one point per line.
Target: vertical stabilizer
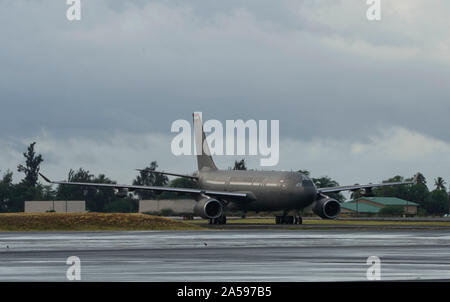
204	159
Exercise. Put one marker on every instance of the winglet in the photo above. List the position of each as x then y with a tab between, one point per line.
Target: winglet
45	178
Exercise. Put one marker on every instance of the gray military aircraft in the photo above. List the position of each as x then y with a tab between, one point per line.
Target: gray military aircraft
259	191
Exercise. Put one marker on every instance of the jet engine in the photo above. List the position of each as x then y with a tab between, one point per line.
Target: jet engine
326	207
208	208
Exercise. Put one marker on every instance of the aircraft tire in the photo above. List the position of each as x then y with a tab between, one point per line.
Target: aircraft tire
289	219
284	219
218	220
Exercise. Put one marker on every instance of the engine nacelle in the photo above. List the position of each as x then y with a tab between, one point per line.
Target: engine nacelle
327	208
208	208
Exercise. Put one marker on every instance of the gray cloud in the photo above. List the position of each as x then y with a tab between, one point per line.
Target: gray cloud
131	68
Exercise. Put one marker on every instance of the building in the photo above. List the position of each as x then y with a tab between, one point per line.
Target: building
59	206
373	205
352	208
167	206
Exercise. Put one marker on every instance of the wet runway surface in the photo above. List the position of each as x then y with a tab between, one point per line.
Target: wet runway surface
231	255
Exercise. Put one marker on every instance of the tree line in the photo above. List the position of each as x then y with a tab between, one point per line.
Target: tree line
434	202
14	195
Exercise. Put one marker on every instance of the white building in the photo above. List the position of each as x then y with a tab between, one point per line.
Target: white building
175	206
59	206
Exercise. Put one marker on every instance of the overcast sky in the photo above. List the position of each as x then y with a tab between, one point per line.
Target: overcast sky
359	101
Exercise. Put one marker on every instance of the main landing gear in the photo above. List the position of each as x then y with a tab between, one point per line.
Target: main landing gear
285	219
219	220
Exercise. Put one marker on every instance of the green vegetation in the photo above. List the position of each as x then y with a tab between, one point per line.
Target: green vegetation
97	199
177	183
240	165
88	222
13	195
149	179
434	202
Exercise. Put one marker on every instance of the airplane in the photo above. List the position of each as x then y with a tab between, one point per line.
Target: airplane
260	191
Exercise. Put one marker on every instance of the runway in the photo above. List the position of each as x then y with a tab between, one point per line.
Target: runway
230	255
355	227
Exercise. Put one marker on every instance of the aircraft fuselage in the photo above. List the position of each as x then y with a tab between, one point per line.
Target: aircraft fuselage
271	190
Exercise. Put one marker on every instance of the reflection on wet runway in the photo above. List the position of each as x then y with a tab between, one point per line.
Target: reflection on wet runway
262	255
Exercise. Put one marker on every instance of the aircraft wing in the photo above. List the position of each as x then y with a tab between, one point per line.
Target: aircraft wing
151	188
167	173
368	186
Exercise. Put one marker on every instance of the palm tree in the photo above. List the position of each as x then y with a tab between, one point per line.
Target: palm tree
421	179
440	183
